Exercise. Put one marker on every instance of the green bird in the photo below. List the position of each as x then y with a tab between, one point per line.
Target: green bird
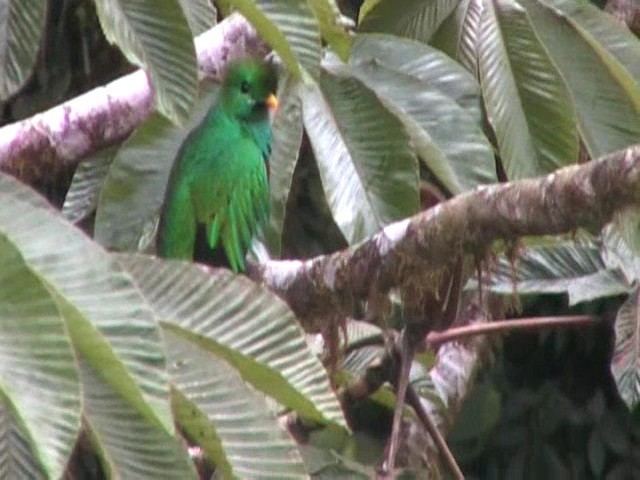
218	192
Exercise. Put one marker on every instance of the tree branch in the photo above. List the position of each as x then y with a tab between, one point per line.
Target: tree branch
578	196
104	116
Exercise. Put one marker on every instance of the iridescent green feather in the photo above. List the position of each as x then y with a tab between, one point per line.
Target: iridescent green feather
219	180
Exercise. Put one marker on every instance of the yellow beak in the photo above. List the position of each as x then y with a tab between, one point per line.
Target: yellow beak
272	102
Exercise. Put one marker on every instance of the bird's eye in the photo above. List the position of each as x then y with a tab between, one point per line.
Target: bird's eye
244	86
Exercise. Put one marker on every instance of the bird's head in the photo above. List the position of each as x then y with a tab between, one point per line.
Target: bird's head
248	89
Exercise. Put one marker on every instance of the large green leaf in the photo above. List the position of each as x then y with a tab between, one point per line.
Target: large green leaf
201	15
130	445
106	318
156	36
625	364
604	28
287	136
333	26
417	19
368	170
21	27
18	460
38	375
246	325
82	197
606	96
227	418
132	194
438	102
527	102
23	193
458	34
290	28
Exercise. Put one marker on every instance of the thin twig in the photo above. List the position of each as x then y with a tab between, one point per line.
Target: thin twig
414	400
502	327
401	382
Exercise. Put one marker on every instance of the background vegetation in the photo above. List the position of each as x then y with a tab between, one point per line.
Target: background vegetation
113	361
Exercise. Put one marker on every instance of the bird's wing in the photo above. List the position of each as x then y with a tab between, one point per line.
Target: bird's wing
231	198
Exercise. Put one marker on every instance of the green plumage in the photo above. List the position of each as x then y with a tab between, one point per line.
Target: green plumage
218	185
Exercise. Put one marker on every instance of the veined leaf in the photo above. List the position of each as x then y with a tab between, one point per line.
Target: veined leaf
244	324
130	445
605	29
566	267
417	81
417	19
157	37
608	118
625	364
21	27
105	316
527	102
82	197
287	136
458	35
201	15
290	28
135	185
368	171
38	375
18	458
333	26
227	418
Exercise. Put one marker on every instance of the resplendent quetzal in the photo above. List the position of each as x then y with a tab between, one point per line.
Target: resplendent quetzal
218	192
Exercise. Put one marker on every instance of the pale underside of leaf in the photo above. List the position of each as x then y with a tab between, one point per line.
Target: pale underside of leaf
17	458
625	364
130	445
527	102
247	325
287	136
201	15
416	19
106	317
290	28
156	37
37	365
368	171
21	27
608	118
252	443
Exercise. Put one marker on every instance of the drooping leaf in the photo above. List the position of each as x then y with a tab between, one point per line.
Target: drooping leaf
290	28
129	444
625	364
437	101
618	251
244	324
527	102
82	197
287	136
105	316
37	370
201	15
458	34
227	418
368	170
20	191
333	26
21	27
605	29
156	37
18	460
417	19
565	267
133	190
608	118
